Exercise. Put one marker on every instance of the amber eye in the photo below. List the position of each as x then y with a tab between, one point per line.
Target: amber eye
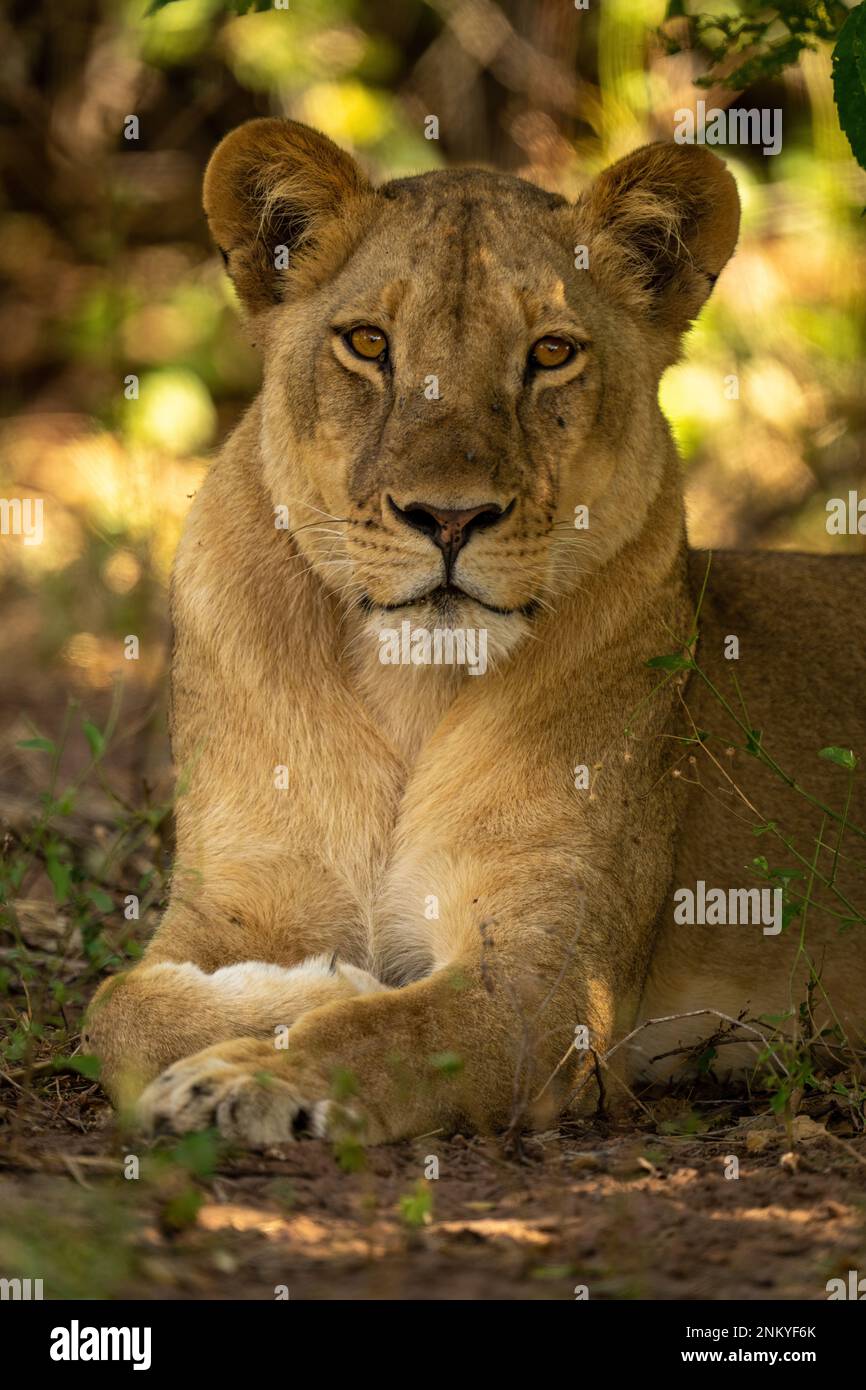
551	352
368	342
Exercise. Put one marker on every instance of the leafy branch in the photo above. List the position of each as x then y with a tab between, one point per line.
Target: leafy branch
758	42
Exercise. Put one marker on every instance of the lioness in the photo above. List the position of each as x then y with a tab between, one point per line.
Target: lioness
406	887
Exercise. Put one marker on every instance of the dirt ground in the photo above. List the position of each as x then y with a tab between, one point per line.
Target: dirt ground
637	1209
628	1212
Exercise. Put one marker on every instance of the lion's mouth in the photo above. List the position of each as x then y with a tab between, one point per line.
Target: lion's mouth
445	598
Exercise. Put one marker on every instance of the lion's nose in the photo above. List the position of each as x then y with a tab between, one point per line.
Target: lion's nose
449	529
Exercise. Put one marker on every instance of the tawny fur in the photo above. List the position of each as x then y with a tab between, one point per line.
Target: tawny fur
431	834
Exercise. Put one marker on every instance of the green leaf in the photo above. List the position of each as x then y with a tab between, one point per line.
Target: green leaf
65	805
674	662
100	899
14	877
61	878
552	1271
753	742
198	1152
84	1063
43	744
416	1208
447	1062
842	757
687	1122
786	876
350	1154
95	738
343	1084
780	1099
15	1046
98	951
181	1211
774	59
849	81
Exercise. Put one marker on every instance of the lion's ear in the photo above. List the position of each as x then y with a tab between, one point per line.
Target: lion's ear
661	223
271	187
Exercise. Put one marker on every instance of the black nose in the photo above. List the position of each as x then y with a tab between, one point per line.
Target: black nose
449	529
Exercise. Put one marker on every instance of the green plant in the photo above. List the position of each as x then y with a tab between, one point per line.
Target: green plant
70	887
787	1064
416	1207
756	42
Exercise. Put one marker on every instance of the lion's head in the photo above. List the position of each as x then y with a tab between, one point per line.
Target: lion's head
454	363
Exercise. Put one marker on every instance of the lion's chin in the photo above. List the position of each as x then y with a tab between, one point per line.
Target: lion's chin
451	605
455	622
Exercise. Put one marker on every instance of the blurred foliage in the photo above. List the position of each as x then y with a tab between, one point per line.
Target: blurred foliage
753	42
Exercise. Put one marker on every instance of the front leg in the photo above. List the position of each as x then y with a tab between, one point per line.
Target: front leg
473	1045
440	1055
165	1010
545	902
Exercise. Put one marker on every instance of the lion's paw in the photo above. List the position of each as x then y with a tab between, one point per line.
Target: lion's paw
253	1108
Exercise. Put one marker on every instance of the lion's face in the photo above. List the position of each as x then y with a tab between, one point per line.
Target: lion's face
442	394
459	409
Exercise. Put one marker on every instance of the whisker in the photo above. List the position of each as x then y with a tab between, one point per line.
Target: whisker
314	525
297	502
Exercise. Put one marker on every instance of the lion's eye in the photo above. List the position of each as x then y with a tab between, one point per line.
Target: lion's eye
551	352
368	342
